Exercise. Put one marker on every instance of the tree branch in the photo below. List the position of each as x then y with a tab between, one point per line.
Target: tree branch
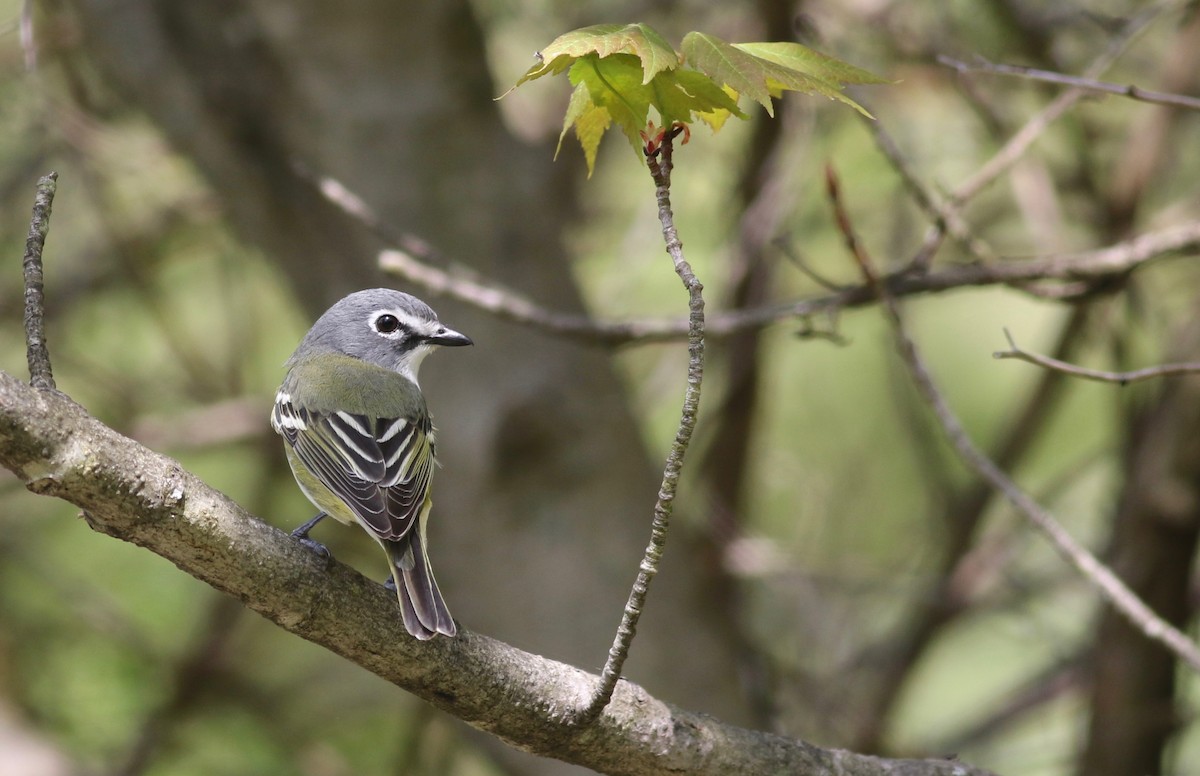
40	374
1074	81
413	260
1085	266
1019	143
619	651
127	491
1100	576
1121	378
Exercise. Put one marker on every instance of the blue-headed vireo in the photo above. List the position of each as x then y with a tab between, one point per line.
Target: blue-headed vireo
360	440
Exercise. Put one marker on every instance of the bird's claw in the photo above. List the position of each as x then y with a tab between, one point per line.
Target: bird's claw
314	545
300	534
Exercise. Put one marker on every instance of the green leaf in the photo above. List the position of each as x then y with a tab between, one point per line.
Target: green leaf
679	94
814	63
716	118
758	69
610	90
615	84
621	72
728	66
590	122
639	40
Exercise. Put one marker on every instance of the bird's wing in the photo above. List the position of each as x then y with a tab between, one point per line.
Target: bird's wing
380	468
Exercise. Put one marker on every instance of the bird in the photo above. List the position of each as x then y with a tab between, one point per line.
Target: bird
359	437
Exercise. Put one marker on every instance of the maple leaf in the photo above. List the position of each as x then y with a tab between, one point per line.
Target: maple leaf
622	72
612	90
762	70
642	41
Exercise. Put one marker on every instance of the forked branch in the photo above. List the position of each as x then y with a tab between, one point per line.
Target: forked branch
1100	576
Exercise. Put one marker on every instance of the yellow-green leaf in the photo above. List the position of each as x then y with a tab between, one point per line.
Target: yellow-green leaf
716	118
590	122
621	72
615	84
758	69
814	63
639	40
728	66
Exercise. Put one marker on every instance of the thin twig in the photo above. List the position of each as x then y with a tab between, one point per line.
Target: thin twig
1078	82
1019	143
1121	378
661	172
413	259
959	565
946	216
784	244
490	297
1117	259
28	41
1111	588
36	352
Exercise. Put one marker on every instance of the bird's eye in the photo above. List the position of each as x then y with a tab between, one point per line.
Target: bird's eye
387	323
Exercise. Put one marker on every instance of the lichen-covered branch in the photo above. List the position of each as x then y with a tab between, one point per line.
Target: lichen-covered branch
40	374
127	491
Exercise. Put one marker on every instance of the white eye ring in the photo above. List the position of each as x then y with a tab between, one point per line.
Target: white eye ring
386	324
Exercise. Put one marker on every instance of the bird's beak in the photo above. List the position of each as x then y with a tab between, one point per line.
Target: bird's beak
449	337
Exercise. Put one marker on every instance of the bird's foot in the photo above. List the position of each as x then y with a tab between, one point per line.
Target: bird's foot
315	546
301	535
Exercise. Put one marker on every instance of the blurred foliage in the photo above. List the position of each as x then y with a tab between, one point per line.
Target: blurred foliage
837	534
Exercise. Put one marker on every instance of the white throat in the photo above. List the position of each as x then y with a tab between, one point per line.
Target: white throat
410	364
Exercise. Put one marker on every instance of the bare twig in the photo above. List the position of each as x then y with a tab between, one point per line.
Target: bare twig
960	563
1019	143
789	252
1078	82
1121	378
1111	588
413	259
661	172
509	305
28	41
946	216
1116	259
40	374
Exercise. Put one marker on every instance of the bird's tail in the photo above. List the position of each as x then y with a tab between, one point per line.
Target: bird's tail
421	605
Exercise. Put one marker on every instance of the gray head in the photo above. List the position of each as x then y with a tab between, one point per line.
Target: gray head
387	328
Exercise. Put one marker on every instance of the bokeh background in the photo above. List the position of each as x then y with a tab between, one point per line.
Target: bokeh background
833	573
